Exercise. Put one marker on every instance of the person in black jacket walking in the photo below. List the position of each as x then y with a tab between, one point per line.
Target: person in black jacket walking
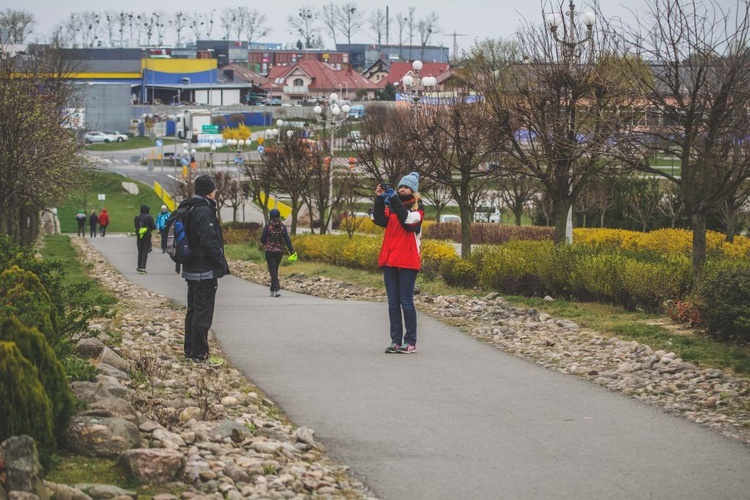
93	222
206	265
144	224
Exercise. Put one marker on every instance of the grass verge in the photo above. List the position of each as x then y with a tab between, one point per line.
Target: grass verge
131	143
656	331
121	205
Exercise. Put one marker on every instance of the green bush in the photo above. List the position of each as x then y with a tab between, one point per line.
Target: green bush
25	408
33	346
23	296
74	303
79	369
650	284
723	299
458	272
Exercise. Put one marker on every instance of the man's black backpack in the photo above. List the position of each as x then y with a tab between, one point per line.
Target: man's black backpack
176	226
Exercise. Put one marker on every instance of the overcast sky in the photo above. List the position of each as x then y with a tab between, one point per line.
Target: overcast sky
474	19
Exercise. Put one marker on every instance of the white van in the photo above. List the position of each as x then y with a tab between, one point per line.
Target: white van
450	218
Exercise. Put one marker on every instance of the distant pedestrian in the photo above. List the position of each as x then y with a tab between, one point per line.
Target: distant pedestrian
93	222
274	238
144	224
103	221
81	221
401	214
161	221
203	270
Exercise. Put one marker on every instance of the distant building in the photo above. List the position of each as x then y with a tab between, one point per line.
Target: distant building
261	61
311	79
365	55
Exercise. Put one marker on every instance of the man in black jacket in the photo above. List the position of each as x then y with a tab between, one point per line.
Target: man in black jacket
206	265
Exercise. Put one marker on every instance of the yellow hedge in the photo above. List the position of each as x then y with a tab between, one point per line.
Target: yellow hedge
664	241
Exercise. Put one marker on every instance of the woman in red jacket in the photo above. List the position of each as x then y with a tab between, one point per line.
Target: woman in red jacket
401	214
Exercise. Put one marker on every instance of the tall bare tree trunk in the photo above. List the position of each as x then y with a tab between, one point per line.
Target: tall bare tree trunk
698	225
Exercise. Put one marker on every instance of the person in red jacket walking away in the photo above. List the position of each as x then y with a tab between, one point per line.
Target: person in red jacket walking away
103	221
401	214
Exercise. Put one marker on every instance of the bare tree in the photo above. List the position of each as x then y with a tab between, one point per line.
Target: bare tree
700	84
516	192
456	140
111	19
732	209
427	27
304	24
402	21
641	197
671	205
256	26
437	194
18	24
555	115
329	17
387	154
291	161
41	156
350	20
180	21
377	22
597	197
232	21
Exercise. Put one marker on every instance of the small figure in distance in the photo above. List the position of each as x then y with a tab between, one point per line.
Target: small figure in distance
144	224
103	221
274	238
161	220
81	221
93	222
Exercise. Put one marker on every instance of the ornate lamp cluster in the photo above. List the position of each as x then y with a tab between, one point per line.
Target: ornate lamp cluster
569	40
414	88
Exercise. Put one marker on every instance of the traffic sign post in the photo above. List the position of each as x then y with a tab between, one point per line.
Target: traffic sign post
210	129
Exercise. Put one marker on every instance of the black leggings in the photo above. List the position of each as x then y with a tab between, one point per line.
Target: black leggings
273	259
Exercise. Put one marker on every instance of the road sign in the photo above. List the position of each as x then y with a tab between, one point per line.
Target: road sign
261	149
158	142
210	129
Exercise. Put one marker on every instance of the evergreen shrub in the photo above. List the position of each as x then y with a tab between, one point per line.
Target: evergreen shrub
34	347
25	408
23	296
723	299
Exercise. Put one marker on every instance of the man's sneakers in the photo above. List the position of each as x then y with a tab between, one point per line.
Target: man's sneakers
393	348
407	349
275	293
212	361
141	271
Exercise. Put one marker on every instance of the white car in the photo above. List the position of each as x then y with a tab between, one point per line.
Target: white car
98	137
117	135
450	218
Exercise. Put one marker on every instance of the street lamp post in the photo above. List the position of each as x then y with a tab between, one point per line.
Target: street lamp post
414	88
332	117
569	42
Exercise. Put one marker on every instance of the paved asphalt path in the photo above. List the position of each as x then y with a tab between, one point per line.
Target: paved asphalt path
458	420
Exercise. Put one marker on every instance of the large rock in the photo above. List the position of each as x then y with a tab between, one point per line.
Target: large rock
104	491
90	347
64	492
152	465
88	392
111	358
112	407
101	437
23	472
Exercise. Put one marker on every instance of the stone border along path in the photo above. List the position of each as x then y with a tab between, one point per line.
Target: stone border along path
236	443
714	398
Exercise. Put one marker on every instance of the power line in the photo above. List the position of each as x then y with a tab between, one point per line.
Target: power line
455	43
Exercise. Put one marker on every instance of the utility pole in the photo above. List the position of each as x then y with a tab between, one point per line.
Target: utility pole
455	44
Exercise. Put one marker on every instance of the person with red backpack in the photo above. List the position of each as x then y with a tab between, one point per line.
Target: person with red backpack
401	214
103	221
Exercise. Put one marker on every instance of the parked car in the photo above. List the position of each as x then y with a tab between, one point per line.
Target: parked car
450	218
117	135
484	216
95	136
275	102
